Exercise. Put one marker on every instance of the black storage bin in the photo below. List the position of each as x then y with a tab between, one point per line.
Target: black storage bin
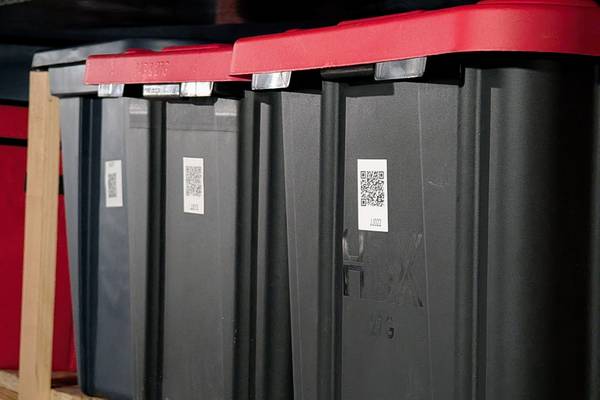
480	229
271	117
220	286
106	149
443	219
200	279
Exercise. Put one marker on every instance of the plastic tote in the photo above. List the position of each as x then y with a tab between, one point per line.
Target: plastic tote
443	220
219	294
106	148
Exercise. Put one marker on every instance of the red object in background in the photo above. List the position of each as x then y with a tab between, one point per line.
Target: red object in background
13	162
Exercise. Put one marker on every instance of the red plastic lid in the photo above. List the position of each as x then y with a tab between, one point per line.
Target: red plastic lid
550	26
204	63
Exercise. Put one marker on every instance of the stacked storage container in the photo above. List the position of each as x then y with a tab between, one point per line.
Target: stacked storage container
418	191
217	301
442	223
107	219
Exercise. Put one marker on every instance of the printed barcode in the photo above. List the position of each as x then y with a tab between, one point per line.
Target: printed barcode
193	185
113	183
372	193
111	180
193	181
372	189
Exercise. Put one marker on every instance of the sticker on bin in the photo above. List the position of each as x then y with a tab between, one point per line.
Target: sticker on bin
193	185
372	195
113	181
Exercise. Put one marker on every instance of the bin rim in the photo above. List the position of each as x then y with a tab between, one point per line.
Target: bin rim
79	54
177	64
533	26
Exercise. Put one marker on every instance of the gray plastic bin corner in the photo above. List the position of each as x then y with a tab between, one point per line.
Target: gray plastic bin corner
442	230
107	245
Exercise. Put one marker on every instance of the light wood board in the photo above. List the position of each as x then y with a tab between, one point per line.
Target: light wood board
39	261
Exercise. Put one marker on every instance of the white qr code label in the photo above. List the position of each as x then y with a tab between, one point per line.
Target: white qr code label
372	195
193	185
113	183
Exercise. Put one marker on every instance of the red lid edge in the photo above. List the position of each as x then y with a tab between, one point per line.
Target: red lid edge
206	63
505	26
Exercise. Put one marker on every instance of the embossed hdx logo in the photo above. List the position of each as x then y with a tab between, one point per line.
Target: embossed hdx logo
153	69
394	283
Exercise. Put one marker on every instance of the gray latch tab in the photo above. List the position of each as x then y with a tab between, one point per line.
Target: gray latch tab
401	69
274	80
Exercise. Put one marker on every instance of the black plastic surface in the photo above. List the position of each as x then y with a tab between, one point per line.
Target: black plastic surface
67	66
201	267
75	55
480	288
113	265
107	245
272	365
68	81
387	306
593	384
226	325
301	113
171	304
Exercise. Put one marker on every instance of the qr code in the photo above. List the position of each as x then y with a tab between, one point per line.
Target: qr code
372	190
112	185
193	181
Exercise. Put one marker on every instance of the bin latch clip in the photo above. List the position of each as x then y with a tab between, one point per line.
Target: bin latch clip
274	80
400	69
111	90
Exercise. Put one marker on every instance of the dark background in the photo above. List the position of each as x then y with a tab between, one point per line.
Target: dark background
71	22
28	26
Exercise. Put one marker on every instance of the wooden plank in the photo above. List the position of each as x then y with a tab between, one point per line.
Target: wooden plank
60	393
6	394
63	384
9	380
70	393
39	262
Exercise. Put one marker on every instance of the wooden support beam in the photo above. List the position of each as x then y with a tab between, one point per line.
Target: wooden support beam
70	393
6	394
63	386
39	262
9	380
